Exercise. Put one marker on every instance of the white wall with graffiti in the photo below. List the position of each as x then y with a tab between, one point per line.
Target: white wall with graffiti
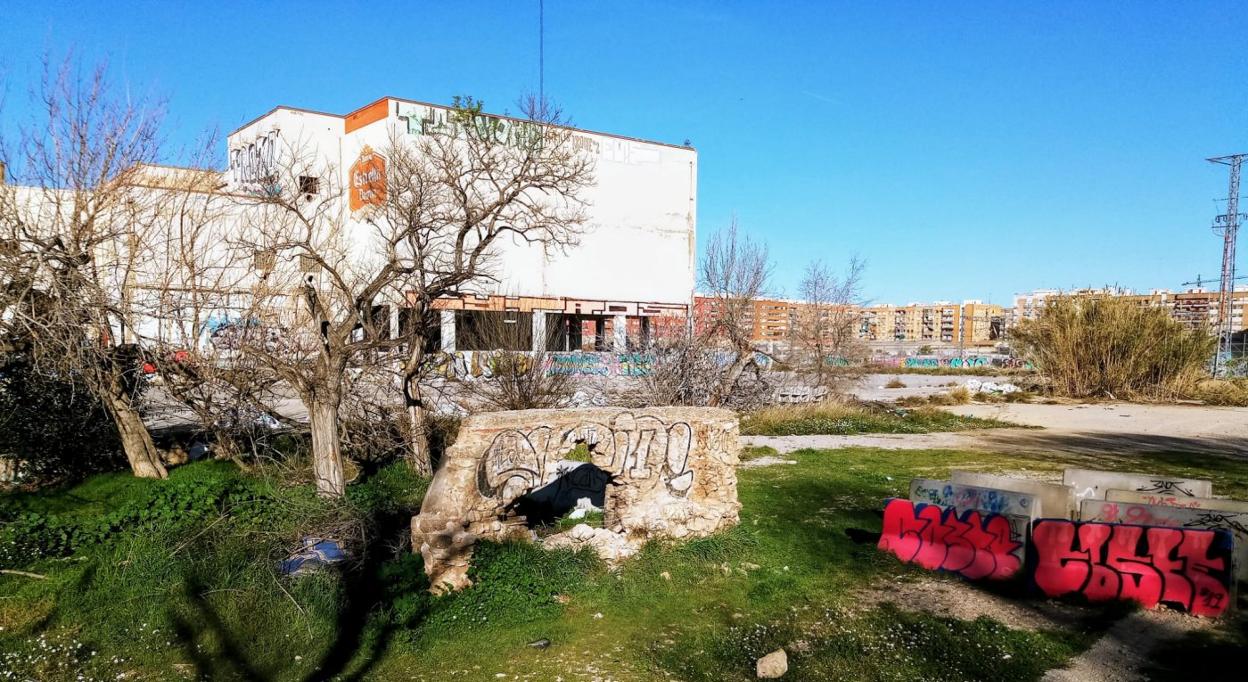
639	244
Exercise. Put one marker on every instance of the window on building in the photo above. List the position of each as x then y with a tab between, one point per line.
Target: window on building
264	261
379	320
493	330
308	264
309	185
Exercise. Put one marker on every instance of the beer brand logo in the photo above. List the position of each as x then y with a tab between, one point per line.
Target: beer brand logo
368	179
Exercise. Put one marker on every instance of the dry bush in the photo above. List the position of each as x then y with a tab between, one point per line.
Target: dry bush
895	383
1231	392
520	380
960	395
823	338
1115	348
691	372
517	379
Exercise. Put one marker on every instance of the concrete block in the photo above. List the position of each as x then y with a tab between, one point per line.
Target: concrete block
965	497
1172	500
1236	523
1055	499
1090	484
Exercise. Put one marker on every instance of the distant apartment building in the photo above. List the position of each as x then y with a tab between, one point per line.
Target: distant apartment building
1195	308
971	323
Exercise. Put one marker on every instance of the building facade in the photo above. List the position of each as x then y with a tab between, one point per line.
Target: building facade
970	323
629	273
1195	308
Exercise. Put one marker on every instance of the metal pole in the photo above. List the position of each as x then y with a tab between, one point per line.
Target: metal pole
1229	224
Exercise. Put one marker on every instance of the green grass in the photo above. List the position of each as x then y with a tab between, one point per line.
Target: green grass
210	601
837	418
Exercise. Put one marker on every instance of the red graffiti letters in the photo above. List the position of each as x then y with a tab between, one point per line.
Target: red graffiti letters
1146	564
973	544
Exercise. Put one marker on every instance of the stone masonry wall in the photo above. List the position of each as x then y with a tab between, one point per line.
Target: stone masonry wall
670	472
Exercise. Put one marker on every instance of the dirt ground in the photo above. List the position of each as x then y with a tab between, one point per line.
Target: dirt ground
1122	653
1117	428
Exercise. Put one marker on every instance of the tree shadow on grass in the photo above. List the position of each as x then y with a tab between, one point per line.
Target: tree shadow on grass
361	635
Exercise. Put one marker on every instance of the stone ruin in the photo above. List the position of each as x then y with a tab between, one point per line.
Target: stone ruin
667	472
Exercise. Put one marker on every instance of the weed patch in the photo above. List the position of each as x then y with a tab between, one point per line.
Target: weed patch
844	419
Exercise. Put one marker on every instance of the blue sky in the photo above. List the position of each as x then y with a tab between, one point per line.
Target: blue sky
965	150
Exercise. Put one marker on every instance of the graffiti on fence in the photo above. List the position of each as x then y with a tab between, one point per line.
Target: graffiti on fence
969	362
1146	564
972	544
473	365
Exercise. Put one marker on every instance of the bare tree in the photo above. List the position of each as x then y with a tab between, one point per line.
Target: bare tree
514	379
431	228
734	273
824	331
460	189
75	224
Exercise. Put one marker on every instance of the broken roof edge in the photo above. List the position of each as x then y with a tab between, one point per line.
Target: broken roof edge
405	100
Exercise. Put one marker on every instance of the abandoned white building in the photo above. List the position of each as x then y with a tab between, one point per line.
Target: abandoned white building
631	273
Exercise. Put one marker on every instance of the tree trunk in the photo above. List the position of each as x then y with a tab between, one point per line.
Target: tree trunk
743	359
136	441
326	447
420	458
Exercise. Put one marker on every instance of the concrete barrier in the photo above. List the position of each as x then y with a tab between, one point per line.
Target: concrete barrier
1235	523
1090	484
1171	500
965	497
1055	499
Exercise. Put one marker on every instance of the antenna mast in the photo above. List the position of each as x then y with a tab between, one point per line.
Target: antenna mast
1229	224
541	51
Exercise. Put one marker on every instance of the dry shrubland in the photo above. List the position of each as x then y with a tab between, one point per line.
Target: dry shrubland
1111	347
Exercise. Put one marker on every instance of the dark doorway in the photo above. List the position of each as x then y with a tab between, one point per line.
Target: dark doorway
552	501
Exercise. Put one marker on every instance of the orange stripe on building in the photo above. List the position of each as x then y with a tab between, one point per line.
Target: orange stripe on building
369	114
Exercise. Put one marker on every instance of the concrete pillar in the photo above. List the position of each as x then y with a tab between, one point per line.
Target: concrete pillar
619	325
539	330
448	330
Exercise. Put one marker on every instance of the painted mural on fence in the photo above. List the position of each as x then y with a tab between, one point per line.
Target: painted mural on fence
972	544
1189	568
470	365
969	362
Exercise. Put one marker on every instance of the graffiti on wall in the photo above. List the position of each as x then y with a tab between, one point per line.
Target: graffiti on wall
471	365
969	362
990	500
635	448
1149	565
1232	521
973	544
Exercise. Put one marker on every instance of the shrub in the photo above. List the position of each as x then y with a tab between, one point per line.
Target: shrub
895	383
173	506
1113	347
1232	392
58	431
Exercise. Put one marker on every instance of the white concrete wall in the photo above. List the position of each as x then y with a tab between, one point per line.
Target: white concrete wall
638	244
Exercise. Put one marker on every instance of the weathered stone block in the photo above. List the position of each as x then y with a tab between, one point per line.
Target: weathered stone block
668	472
